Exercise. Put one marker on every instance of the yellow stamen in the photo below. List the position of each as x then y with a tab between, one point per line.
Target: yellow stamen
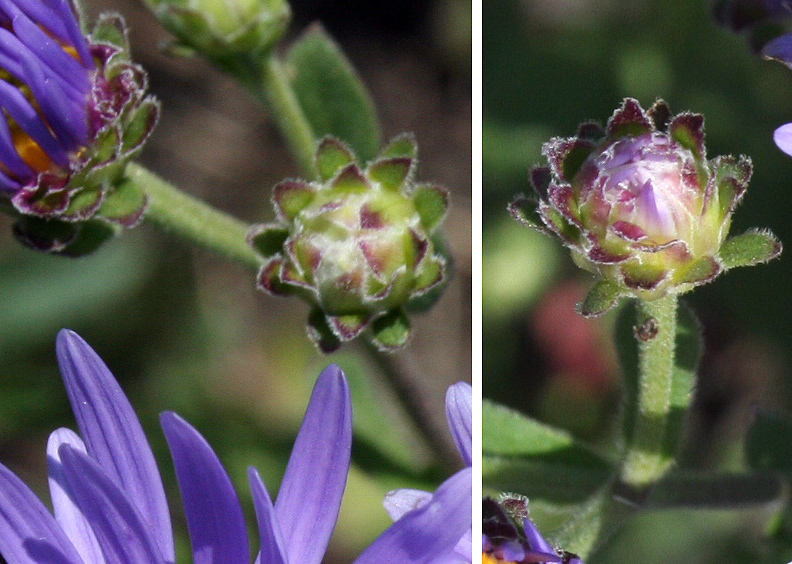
488	559
30	152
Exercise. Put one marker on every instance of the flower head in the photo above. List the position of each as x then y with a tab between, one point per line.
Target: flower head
109	503
398	503
639	205
357	245
75	112
510	537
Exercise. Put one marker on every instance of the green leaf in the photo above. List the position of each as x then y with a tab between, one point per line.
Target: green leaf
333	97
750	248
768	445
602	296
331	156
110	28
688	347
391	331
125	204
525	456
706	491
268	239
431	202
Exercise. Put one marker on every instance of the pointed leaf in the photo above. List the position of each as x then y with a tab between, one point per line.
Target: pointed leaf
313	484
750	248
291	196
404	146
391	331
602	296
347	327
214	515
125	204
331	156
333	97
391	173
431	202
110	28
140	124
268	239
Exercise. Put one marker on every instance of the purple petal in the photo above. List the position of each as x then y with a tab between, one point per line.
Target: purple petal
399	502
535	540
9	156
67	514
271	550
214	516
310	494
431	532
20	110
72	30
779	49
28	533
112	433
122	533
783	138
459	413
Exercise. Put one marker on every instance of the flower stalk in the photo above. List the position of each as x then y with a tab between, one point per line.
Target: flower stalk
191	219
656	325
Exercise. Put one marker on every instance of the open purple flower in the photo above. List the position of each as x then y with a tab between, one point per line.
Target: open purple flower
109	504
74	112
399	503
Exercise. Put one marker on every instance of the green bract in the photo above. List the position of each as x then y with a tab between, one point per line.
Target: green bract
639	205
223	30
356	245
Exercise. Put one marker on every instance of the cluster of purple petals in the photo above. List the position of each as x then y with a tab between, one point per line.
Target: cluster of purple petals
33	35
109	505
503	541
742	14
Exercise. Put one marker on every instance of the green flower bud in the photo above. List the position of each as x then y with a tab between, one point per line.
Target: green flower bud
224	29
639	205
356	245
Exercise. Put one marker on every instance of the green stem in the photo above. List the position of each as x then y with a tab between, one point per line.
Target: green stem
193	220
645	457
404	382
270	84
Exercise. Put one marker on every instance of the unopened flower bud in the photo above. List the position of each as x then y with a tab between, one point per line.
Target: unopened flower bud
75	112
224	29
639	205
356	245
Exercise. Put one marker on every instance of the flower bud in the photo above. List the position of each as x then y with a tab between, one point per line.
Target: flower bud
356	245
223	29
639	205
75	113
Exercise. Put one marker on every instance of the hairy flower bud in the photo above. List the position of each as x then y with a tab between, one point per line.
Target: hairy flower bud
639	205
357	245
75	113
222	30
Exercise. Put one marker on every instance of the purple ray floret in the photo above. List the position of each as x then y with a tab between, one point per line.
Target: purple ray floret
109	505
43	52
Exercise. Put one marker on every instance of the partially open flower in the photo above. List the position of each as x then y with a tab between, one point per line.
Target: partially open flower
356	245
75	111
639	205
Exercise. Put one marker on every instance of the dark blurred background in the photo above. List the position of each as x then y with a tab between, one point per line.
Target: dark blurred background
547	66
187	331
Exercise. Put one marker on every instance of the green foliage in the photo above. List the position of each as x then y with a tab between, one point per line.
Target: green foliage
331	94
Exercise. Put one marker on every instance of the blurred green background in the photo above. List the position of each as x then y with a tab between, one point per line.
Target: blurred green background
549	65
187	331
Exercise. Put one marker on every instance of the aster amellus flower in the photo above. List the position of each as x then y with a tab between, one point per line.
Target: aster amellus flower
459	413
640	206
357	244
109	504
510	537
75	111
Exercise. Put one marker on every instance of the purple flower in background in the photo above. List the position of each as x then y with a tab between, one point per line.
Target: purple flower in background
399	503
109	504
509	536
780	49
74	112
